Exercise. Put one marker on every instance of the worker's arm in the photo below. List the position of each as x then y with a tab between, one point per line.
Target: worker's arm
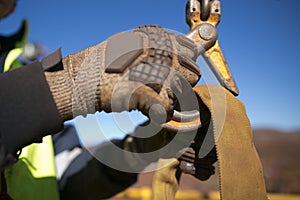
113	165
27	112
143	70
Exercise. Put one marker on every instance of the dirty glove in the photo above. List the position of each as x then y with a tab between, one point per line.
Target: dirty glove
145	145
201	168
131	70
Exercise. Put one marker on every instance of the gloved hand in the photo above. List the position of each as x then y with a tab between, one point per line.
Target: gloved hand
201	168
145	145
131	70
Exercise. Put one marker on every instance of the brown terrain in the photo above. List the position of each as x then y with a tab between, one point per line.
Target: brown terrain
279	152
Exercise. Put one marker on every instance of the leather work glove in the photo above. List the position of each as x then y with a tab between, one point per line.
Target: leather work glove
145	145
140	70
201	168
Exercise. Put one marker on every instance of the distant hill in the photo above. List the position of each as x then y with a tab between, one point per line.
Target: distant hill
280	156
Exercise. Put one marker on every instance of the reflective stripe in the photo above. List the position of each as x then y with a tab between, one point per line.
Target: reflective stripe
18	48
11	57
41	158
33	176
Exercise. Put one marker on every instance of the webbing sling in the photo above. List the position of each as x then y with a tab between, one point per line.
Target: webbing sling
240	169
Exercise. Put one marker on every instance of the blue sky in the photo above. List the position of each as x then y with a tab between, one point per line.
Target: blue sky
260	40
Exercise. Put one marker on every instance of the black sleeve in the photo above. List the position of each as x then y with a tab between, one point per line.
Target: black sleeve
88	178
27	109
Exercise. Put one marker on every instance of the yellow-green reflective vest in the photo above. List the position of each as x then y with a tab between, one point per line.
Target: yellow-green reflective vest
18	46
33	177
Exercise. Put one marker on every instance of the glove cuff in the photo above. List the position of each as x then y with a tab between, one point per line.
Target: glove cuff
75	85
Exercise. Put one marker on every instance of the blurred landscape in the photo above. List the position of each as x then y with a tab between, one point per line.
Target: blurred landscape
279	153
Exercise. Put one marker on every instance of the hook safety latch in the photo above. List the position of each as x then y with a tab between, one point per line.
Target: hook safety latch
203	16
207	13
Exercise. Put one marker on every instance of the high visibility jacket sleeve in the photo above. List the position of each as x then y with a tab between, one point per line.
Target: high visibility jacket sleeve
27	111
